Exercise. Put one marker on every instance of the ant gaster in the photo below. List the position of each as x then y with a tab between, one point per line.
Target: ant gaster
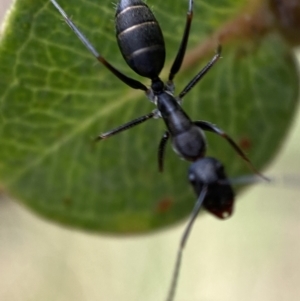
142	45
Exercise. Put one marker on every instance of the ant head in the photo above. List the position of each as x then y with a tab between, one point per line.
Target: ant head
219	199
206	170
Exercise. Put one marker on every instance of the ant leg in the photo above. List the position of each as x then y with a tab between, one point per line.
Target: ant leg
184	238
207	126
126	126
125	79
161	150
181	51
195	80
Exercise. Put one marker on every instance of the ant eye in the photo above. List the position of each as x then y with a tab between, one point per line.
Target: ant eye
192	178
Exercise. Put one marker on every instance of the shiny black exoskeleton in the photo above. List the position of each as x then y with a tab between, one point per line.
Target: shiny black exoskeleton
134	22
142	45
208	173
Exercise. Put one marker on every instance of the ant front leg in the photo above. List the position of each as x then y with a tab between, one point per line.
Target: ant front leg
207	126
126	126
182	48
161	150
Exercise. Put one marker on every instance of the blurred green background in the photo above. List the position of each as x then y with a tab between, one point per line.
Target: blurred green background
253	256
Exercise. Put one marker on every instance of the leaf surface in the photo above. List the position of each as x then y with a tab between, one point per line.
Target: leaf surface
54	98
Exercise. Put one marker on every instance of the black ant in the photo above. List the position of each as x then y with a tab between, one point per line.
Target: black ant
142	45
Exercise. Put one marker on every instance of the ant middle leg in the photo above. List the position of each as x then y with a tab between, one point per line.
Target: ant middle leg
126	126
161	150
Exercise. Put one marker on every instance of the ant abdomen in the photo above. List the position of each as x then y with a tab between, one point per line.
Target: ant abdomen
140	38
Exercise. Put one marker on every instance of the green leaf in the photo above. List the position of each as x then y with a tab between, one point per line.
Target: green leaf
54	98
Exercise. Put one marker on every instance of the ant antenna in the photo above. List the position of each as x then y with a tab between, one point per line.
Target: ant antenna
183	241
